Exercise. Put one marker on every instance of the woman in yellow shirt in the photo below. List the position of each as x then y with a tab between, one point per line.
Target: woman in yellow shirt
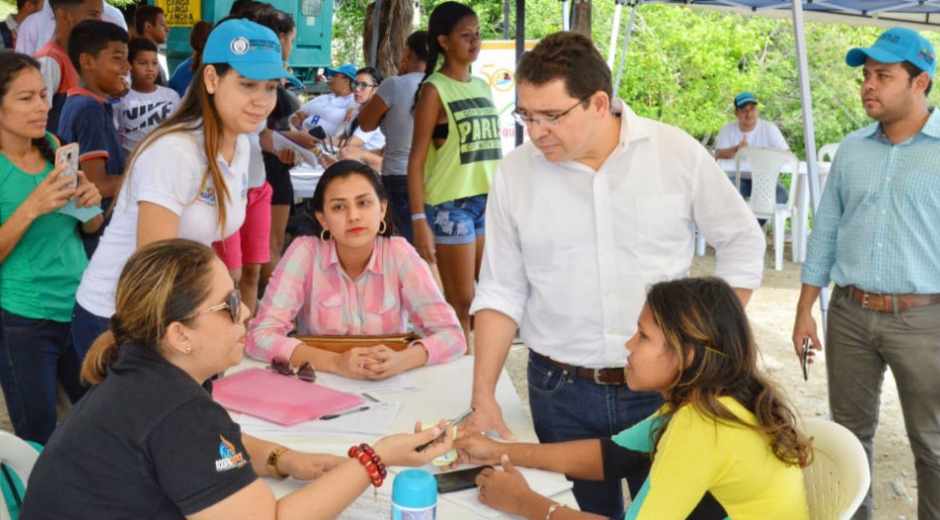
725	433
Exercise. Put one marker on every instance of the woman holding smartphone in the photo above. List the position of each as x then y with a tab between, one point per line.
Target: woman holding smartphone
188	178
41	254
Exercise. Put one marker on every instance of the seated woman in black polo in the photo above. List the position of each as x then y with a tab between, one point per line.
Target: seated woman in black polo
148	441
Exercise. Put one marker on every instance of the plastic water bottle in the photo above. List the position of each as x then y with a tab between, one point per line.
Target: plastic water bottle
414	496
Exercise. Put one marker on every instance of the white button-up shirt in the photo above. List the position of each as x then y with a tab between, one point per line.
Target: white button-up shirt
570	252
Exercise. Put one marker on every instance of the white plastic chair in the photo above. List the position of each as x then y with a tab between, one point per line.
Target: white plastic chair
765	166
827	150
20	457
838	479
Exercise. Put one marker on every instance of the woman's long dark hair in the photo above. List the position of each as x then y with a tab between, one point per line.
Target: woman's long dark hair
11	65
442	21
702	320
341	170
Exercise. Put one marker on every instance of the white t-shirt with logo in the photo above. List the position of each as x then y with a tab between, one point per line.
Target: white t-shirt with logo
328	111
138	113
170	173
765	134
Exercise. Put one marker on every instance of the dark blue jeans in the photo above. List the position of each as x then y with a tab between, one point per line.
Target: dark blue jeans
566	407
86	327
396	187
34	353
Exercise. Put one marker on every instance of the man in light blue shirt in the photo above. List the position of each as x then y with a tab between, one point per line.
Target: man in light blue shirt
874	238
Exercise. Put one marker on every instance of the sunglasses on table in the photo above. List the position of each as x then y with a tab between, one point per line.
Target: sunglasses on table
233	303
282	366
361	84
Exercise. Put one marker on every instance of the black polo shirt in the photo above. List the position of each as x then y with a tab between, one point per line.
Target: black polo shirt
148	442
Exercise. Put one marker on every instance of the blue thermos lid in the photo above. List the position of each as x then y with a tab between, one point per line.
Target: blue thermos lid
414	488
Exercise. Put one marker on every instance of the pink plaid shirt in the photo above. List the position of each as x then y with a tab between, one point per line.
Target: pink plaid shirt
309	284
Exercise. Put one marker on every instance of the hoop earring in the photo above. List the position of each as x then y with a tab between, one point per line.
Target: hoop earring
325	235
383	227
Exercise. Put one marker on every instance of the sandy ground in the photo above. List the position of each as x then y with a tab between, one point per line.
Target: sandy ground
771	311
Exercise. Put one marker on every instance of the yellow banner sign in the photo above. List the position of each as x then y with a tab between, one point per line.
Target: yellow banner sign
180	13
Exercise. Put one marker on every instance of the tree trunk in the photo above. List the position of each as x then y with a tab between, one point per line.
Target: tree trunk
394	28
581	17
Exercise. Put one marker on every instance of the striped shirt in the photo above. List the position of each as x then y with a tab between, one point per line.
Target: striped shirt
309	284
876	220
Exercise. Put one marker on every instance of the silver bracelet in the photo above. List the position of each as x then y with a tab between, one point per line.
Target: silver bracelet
551	509
418	216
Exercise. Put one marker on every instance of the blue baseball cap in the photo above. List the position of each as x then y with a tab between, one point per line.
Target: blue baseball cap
744	98
894	46
251	49
347	69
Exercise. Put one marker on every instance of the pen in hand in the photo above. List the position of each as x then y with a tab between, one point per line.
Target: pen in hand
459	419
340	414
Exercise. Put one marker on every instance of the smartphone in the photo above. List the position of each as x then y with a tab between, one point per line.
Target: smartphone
807	346
457	480
66	157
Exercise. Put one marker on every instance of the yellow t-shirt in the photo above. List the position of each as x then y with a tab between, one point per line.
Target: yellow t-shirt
697	454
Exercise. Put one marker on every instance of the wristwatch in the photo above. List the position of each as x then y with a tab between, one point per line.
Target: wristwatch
272	461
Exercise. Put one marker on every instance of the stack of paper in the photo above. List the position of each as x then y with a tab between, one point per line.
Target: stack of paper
399	383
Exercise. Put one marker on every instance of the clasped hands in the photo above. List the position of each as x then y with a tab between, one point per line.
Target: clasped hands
378	362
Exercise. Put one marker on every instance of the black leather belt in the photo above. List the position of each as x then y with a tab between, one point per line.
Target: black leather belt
600	376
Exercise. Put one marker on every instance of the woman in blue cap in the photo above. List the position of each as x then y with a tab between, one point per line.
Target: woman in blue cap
331	111
188	177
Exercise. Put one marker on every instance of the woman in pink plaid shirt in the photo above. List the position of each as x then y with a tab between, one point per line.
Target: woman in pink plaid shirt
355	278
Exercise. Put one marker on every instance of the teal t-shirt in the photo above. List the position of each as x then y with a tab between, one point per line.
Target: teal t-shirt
39	278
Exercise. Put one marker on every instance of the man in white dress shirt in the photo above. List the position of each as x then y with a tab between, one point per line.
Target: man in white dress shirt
580	221
38	27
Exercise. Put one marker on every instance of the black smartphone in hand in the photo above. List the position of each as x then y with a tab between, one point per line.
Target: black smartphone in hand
807	345
459	479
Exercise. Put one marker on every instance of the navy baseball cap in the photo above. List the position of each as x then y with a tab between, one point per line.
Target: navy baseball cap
894	46
251	49
744	98
347	69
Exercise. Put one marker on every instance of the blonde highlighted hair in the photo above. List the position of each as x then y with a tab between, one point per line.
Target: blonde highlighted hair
163	282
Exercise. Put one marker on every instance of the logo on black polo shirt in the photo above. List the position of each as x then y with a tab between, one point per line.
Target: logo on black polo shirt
230	459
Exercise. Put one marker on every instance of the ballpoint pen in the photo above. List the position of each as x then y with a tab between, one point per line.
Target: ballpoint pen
340	414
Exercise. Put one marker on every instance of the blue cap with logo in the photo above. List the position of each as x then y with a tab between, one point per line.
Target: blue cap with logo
744	98
251	49
894	46
347	69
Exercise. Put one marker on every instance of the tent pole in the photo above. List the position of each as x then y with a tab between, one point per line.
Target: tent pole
809	138
626	45
565	15
614	30
520	48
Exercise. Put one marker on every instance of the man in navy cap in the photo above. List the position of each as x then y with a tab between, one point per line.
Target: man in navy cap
749	130
874	237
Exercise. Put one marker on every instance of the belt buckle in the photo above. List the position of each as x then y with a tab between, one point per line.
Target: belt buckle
597	378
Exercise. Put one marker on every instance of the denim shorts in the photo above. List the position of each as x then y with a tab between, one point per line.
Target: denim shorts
458	221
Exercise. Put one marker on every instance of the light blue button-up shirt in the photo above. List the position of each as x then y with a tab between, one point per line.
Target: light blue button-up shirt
878	218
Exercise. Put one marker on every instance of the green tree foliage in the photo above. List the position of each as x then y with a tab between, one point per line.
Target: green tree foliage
684	65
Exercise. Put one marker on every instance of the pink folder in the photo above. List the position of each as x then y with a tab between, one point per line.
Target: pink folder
278	398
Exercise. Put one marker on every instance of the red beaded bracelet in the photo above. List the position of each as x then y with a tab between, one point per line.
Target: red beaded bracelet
371	461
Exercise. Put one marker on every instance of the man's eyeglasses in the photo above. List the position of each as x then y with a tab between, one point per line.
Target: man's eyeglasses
546	121
356	85
233	302
281	365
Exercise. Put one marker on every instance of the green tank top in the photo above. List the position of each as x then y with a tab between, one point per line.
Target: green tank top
464	166
39	278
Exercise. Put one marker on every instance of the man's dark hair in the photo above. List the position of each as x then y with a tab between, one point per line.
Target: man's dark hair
21	3
92	37
913	71
146	14
418	43
571	57
139	45
56	4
